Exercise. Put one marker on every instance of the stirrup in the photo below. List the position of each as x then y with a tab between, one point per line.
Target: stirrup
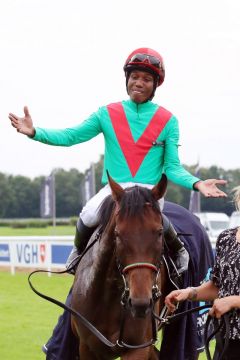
72	261
182	260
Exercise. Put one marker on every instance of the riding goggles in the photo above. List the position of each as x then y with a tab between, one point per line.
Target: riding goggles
147	59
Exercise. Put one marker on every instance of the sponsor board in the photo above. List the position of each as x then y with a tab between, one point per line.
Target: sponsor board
4	253
38	252
30	253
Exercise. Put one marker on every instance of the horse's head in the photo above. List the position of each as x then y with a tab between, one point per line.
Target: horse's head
139	242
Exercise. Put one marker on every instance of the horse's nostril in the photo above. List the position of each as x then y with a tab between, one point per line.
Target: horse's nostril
139	307
141	302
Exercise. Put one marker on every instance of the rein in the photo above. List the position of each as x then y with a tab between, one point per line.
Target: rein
82	319
86	323
163	320
221	345
172	318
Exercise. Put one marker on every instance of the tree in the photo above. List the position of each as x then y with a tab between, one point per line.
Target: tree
22	202
98	173
68	193
20	196
6	195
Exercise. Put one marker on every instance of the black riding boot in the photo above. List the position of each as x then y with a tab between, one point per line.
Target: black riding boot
175	245
82	235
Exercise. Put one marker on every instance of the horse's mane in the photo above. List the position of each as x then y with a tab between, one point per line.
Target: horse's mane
131	204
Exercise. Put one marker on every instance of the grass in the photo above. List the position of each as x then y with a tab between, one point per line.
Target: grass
48	231
26	320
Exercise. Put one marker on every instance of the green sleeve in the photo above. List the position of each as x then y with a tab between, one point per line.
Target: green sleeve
172	166
85	131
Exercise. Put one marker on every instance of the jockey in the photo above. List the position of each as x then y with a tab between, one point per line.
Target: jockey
141	142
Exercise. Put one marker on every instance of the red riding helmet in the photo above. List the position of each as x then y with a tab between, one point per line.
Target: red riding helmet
148	60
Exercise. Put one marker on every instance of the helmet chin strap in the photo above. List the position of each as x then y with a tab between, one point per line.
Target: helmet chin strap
154	89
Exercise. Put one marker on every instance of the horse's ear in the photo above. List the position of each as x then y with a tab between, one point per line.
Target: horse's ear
117	190
159	190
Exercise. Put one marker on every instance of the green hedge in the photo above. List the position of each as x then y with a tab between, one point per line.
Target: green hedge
30	224
36	223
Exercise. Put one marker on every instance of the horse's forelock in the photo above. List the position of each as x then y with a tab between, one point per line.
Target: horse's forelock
134	202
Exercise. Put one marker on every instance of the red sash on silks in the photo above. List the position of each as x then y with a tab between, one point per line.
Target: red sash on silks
135	152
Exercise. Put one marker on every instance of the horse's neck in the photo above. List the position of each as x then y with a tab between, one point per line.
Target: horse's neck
104	267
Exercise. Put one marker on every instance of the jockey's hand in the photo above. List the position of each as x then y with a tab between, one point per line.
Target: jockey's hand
24	125
177	296
223	305
209	189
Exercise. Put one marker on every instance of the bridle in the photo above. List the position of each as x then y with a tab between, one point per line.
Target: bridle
156	295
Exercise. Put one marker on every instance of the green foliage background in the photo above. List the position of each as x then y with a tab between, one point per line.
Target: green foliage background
20	196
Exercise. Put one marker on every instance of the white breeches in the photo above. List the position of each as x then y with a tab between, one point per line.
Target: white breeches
89	213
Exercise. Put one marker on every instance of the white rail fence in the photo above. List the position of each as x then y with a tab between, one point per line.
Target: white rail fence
45	252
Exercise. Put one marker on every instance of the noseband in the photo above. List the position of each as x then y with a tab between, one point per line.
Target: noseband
156	293
139	265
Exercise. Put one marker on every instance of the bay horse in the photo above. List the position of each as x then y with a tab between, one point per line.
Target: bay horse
120	282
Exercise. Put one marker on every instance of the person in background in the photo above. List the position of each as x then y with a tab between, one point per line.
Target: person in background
223	288
141	142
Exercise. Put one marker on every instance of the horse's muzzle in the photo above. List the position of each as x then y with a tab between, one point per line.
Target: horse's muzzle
140	307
